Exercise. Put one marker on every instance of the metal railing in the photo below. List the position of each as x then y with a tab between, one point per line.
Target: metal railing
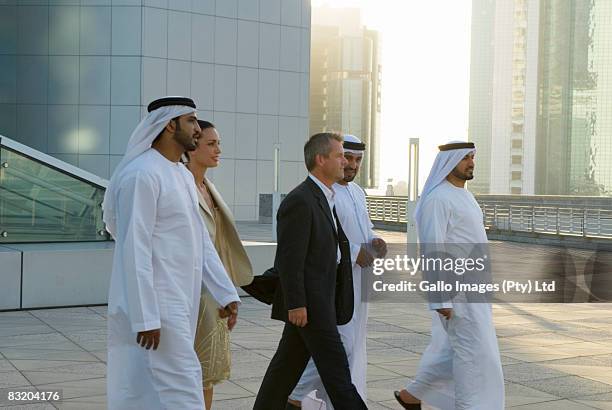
554	220
577	221
387	209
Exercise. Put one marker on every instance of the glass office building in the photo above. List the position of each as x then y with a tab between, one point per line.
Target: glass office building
503	83
575	108
481	90
345	90
76	77
541	96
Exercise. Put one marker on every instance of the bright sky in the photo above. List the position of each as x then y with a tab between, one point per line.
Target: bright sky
425	76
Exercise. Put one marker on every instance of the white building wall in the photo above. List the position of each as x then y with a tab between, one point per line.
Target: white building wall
501	122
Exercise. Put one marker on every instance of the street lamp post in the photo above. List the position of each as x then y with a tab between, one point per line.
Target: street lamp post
413	189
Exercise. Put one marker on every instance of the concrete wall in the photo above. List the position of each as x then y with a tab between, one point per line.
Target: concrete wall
74	274
10	277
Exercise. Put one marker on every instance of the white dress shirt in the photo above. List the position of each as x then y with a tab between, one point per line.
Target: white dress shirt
329	195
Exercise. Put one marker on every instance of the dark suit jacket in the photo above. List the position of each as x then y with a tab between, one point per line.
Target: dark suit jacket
345	300
306	260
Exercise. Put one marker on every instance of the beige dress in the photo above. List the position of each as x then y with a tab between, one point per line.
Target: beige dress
212	341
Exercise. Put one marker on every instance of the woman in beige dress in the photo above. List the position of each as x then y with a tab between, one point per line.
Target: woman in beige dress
212	342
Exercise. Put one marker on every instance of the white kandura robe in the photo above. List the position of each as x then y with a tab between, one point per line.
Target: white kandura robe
353	215
163	255
461	367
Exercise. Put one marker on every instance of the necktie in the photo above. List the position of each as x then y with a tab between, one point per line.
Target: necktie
343	243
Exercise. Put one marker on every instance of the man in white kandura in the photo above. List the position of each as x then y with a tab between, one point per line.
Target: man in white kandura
163	256
354	219
461	367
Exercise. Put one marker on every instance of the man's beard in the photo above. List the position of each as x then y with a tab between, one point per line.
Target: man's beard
349	178
186	141
464	176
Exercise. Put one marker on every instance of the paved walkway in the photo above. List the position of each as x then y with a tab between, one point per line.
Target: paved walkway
555	356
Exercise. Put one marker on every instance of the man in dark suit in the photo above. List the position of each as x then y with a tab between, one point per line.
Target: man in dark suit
307	258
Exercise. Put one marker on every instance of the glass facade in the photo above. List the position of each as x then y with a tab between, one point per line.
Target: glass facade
41	203
541	96
599	118
574	144
519	64
76	78
345	84
554	95
481	90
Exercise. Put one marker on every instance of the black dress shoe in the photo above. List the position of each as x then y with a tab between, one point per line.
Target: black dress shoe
409	406
290	406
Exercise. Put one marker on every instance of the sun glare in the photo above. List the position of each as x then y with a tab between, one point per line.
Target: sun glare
425	75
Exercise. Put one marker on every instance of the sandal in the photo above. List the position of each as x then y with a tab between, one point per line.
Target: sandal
409	406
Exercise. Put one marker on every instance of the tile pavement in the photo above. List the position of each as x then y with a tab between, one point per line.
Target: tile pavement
555	356
560	369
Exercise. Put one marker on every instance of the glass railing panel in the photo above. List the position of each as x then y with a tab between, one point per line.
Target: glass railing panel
43	203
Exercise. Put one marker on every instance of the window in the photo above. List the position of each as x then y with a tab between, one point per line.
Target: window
516	175
516	191
517	144
517	160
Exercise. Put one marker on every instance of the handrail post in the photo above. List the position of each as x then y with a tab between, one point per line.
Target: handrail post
385	210
599	222
510	218
397	205
495	222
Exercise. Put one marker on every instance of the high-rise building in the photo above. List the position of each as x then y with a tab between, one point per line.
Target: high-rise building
481	90
76	78
503	82
345	82
575	107
541	92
